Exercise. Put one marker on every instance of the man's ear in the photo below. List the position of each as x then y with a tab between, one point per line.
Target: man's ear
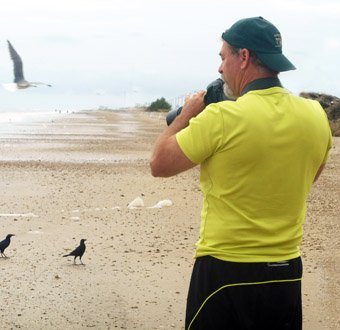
244	57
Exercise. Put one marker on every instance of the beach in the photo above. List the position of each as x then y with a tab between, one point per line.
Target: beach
75	177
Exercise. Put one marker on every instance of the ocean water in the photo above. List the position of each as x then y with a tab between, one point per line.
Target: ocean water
59	137
16	122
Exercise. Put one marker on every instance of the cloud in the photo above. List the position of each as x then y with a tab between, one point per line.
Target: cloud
159	48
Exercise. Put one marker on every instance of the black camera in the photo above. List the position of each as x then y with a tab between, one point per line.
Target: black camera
214	94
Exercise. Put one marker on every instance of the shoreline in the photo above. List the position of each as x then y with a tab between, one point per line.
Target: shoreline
73	178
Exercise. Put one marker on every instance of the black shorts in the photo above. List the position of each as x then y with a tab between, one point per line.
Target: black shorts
241	296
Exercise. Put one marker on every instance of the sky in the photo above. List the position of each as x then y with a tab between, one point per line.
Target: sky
122	53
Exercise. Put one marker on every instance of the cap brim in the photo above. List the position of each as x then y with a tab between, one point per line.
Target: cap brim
276	62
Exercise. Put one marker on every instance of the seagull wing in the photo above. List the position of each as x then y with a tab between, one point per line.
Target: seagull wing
17	62
39	83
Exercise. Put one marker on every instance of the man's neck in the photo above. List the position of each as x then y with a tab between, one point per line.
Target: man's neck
252	76
262	83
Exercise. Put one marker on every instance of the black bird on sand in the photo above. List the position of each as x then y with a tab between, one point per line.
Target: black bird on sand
78	252
4	244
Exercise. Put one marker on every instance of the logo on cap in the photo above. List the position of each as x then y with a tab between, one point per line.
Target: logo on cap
278	40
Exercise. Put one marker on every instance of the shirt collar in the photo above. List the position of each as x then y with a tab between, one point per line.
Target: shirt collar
262	83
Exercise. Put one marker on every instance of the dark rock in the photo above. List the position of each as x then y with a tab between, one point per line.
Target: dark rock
331	105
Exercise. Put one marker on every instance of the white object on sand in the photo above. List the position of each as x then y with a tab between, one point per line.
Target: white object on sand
18	215
35	232
137	202
160	204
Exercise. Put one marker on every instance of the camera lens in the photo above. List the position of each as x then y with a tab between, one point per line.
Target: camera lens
172	115
214	94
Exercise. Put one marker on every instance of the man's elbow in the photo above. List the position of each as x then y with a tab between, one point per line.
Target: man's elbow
155	168
159	169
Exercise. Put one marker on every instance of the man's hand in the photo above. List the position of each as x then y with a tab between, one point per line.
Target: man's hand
193	105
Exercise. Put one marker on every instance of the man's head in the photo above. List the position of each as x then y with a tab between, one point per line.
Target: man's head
261	37
255	43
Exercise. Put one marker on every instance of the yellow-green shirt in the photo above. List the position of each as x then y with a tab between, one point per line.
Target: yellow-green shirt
259	156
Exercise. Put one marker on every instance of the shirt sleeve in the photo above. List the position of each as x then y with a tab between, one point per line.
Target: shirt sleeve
203	136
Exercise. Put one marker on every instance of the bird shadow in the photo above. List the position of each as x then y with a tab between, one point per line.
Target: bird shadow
75	265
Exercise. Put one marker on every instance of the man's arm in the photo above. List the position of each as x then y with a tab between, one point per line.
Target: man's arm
168	158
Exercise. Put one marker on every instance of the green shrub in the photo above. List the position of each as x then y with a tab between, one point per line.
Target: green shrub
159	105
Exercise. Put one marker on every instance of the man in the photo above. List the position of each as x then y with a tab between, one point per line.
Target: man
259	156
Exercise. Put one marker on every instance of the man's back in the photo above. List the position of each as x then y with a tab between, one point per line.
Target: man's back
259	157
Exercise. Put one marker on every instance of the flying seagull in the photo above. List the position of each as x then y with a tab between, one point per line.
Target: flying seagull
19	81
4	244
78	252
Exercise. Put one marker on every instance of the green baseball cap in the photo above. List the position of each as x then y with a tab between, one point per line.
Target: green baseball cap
261	37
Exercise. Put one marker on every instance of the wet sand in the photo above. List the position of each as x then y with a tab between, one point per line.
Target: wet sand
74	178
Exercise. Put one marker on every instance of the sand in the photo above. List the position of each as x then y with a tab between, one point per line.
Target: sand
74	178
